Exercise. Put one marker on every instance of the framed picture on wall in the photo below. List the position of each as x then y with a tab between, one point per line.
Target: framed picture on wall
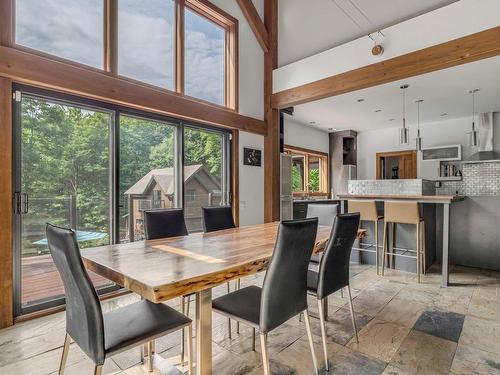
252	157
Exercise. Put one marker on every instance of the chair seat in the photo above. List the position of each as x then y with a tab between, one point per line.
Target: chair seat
243	304
132	324
312	281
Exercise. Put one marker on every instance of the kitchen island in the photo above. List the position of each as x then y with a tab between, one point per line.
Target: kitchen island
430	204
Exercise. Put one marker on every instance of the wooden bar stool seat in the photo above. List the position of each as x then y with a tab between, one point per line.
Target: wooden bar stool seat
368	212
396	212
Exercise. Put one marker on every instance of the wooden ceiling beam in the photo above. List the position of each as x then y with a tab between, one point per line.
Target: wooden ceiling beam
460	51
40	71
255	22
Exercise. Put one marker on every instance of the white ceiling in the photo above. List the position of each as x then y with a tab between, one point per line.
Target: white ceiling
444	91
307	27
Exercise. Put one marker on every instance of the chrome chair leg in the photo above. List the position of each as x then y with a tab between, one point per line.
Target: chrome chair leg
323	334
265	357
352	314
228	319
183	331
150	356
253	339
98	370
238	285
311	343
325	308
190	349
64	356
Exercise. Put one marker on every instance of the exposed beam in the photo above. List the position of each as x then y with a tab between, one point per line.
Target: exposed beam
32	69
6	291
271	141
455	52
256	24
6	18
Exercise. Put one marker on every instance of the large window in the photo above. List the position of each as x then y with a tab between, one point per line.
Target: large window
96	168
309	171
204	58
146	49
71	29
185	46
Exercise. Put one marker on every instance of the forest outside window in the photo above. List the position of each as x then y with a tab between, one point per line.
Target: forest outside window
309	171
184	46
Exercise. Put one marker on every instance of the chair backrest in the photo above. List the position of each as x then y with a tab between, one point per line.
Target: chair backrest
401	212
367	209
84	321
325	213
217	218
334	265
284	292
164	223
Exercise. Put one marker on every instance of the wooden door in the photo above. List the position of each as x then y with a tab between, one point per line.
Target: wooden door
407	163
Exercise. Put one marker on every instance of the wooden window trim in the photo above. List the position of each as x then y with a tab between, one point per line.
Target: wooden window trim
110	53
323	168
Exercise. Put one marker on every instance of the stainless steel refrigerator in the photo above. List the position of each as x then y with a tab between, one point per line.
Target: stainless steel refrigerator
286	194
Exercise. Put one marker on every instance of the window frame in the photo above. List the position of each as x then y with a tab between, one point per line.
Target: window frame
204	8
324	170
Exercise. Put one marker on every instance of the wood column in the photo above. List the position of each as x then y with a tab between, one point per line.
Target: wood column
271	141
6	274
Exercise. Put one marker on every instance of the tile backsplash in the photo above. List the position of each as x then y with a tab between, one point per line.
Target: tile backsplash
391	187
481	179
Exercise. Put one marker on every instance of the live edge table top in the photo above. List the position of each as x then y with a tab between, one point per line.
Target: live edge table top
162	269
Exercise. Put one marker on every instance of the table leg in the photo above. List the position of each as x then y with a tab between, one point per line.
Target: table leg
204	332
446	241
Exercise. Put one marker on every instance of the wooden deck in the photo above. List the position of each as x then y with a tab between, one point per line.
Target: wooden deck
41	281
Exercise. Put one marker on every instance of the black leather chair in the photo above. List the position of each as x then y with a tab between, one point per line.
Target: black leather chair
217	218
326	214
164	223
284	292
103	335
333	272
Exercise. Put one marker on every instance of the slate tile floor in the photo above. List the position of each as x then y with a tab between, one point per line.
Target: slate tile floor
404	328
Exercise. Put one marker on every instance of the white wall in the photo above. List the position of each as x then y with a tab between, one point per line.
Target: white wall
251	103
442	133
451	22
251	62
299	135
251	182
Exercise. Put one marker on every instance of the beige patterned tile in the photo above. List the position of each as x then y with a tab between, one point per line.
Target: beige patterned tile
380	339
424	354
471	361
481	333
401	311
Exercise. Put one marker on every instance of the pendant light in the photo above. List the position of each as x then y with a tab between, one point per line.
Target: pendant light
404	136
474	137
418	140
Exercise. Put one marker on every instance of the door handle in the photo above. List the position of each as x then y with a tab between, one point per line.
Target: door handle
17	202
26	203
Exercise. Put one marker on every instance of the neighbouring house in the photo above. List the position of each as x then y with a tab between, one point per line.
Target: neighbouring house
157	190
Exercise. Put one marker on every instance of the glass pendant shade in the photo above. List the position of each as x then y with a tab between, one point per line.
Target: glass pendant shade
404	136
474	134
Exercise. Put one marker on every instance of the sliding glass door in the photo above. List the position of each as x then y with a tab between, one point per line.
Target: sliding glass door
63	177
96	168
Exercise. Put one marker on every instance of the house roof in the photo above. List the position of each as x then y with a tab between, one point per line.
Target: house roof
164	178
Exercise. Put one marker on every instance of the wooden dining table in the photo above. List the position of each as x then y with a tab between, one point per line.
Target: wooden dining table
159	270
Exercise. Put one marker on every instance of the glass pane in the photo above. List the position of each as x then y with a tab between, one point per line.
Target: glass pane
313	177
147	178
298	162
203	171
146	41
71	29
204	58
65	173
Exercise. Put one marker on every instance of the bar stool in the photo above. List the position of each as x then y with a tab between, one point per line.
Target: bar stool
368	212
396	212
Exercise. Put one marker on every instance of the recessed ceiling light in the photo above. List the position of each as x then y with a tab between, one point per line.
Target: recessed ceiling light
392	119
378	110
312	122
361	100
331	129
443	114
